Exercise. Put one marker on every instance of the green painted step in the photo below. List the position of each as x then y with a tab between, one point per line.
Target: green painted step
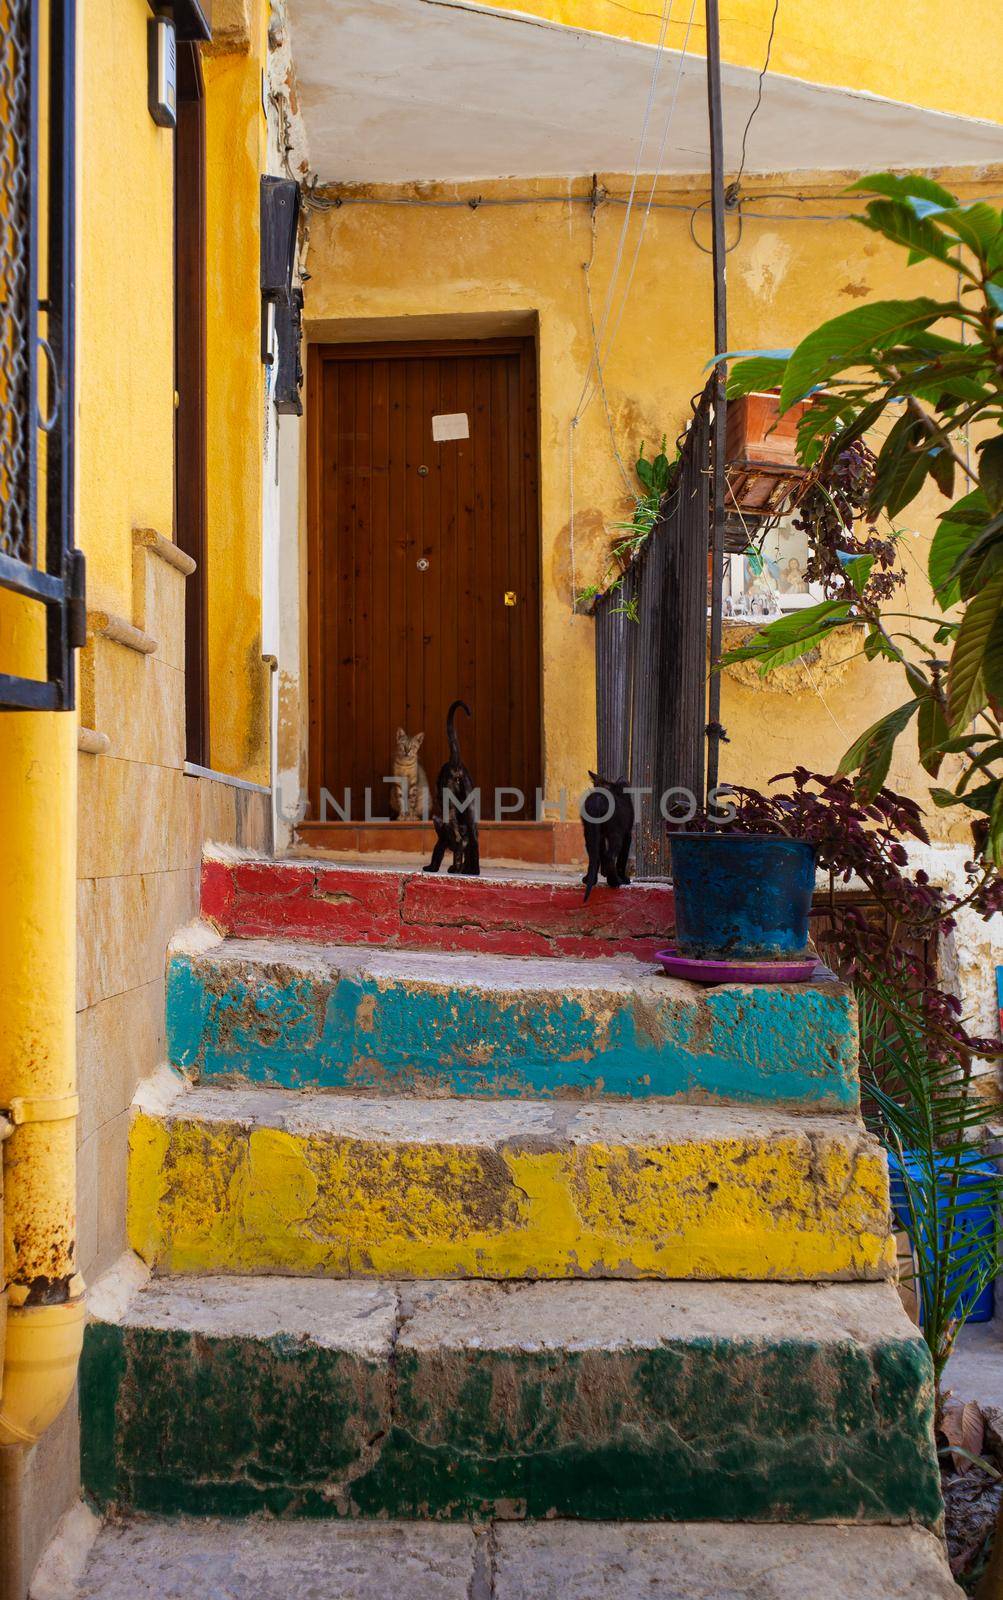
425	1022
595	1400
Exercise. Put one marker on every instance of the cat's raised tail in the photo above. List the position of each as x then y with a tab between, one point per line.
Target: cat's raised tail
454	747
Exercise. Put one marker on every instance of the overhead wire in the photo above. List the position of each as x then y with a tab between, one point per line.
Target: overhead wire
734	186
315	202
733	193
597	333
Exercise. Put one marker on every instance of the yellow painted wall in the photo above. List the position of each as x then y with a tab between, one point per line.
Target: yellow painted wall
125	330
126	350
905	52
141	819
371	262
235	138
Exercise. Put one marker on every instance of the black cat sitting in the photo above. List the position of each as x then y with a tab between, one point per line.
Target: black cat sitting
607	843
456	829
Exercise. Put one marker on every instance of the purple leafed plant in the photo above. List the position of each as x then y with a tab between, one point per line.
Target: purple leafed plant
863	841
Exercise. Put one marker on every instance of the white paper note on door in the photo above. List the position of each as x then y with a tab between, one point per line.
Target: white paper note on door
450	425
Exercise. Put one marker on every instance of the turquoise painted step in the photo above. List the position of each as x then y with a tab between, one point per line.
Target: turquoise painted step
431	1023
596	1400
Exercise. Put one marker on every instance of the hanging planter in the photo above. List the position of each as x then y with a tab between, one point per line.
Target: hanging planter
761	453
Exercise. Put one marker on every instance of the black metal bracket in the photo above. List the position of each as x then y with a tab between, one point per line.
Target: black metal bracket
37	556
192	18
289	371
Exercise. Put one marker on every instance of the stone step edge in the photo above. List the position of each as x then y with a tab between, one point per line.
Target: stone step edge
234	1180
152	1559
531	1315
619	971
170	1094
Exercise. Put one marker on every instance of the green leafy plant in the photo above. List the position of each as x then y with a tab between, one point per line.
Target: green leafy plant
926	371
916	1051
654	474
929	1116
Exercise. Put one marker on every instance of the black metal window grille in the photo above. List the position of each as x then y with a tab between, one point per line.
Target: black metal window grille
37	557
651	652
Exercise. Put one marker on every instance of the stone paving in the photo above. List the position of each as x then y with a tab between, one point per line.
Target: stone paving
263	1560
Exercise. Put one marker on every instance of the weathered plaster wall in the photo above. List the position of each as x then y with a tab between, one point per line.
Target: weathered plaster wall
126	343
374	267
235	140
125	328
877	46
142	819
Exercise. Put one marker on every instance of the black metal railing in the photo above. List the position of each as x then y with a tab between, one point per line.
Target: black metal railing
651	653
37	556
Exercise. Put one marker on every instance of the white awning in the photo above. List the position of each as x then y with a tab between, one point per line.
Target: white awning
398	90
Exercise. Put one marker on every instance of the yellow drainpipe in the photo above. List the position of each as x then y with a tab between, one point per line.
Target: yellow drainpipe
43	1291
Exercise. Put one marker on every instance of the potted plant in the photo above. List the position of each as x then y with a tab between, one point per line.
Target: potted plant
761	451
744	873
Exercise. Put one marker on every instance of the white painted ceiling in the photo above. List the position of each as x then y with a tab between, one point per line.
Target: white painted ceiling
393	90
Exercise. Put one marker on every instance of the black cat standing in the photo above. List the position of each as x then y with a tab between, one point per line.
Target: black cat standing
608	820
455	816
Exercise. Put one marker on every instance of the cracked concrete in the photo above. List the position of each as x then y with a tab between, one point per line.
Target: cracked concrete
267	1560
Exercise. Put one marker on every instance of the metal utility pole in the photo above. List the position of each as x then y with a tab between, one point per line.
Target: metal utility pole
714	730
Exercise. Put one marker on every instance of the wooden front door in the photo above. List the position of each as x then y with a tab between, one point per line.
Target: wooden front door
424	567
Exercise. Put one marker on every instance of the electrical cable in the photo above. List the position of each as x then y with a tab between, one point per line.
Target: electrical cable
733	188
486	202
733	193
728	247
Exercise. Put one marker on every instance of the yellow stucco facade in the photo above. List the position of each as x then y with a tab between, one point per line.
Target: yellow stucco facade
106	821
235	149
104	824
126	349
375	267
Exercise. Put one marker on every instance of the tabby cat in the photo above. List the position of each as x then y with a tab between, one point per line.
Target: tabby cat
409	793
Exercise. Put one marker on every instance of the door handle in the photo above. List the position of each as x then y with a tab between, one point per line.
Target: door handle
510	597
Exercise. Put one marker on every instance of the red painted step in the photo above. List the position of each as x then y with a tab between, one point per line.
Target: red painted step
254	899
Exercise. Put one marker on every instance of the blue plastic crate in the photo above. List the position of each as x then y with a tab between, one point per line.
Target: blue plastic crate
974	1219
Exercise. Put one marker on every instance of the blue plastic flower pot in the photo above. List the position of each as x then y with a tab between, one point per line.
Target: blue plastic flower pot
973	1218
746	896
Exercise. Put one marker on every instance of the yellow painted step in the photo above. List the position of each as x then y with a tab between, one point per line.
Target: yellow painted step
228	1180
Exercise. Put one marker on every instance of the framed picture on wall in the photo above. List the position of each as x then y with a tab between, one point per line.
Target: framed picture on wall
771	579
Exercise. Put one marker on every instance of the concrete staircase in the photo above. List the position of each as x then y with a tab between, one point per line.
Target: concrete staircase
448	1209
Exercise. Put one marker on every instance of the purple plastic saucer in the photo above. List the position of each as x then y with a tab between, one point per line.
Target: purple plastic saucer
702	971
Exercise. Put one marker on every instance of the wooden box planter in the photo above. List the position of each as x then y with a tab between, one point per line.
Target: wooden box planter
761	453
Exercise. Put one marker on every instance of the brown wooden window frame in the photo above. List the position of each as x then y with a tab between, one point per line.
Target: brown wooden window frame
190	472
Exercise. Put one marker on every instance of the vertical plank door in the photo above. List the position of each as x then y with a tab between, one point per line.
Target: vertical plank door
424	567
